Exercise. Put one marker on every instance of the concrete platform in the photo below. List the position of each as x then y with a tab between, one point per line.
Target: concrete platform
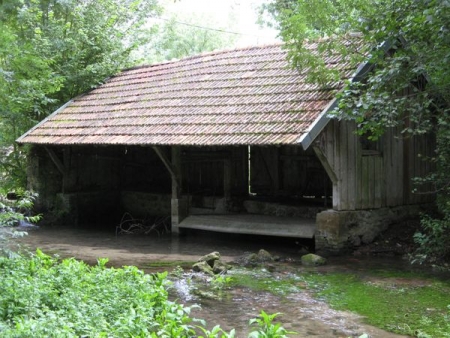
252	225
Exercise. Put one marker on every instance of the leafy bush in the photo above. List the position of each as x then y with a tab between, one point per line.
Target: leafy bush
13	213
434	239
267	328
40	297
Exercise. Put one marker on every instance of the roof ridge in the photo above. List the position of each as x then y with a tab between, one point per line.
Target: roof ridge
204	54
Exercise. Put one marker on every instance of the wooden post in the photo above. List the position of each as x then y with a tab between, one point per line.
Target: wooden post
168	165
176	172
179	206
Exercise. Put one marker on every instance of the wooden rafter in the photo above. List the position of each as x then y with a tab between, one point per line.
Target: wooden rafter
56	160
167	164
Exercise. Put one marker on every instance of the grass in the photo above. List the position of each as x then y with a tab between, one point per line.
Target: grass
405	307
402	302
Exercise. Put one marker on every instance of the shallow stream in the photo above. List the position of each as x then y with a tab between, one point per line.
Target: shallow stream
301	312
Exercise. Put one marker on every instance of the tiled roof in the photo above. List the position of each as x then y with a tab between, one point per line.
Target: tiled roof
246	96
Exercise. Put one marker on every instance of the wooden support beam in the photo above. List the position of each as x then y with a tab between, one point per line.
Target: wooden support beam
326	165
176	170
167	164
56	161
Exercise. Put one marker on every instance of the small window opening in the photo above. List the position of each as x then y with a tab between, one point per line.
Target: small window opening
370	147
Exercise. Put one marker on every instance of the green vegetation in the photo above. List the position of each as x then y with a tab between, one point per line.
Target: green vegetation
401	302
267	327
42	297
13	213
264	281
180	35
395	305
18	210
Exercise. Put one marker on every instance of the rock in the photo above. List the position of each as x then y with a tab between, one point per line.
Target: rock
26	226
264	256
271	267
210	258
313	260
220	267
251	259
203	267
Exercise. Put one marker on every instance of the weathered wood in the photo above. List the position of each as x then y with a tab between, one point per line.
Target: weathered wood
252	224
352	159
168	165
343	165
397	181
380	177
326	165
176	172
373	179
294	158
365	187
56	161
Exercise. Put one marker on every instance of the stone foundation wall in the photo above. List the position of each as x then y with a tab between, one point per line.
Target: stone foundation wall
339	231
278	209
86	208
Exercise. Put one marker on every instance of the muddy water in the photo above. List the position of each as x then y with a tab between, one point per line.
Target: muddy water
300	312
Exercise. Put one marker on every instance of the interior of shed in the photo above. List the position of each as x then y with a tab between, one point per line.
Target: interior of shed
101	183
275	181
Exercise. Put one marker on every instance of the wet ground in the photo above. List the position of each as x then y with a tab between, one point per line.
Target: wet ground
301	312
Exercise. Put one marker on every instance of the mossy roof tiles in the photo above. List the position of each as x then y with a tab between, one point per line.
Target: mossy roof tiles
248	96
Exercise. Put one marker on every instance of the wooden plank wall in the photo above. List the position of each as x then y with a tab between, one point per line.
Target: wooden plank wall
368	180
207	170
287	171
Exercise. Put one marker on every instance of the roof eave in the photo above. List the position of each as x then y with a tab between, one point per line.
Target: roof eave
317	126
321	122
21	138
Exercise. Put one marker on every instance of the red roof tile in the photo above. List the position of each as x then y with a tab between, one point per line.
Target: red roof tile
244	96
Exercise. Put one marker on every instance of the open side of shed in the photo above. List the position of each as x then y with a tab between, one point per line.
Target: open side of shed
274	191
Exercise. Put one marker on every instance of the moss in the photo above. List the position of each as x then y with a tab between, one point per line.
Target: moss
313	260
261	280
396	303
402	302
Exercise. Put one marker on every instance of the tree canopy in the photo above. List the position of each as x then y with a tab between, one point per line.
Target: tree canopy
181	35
